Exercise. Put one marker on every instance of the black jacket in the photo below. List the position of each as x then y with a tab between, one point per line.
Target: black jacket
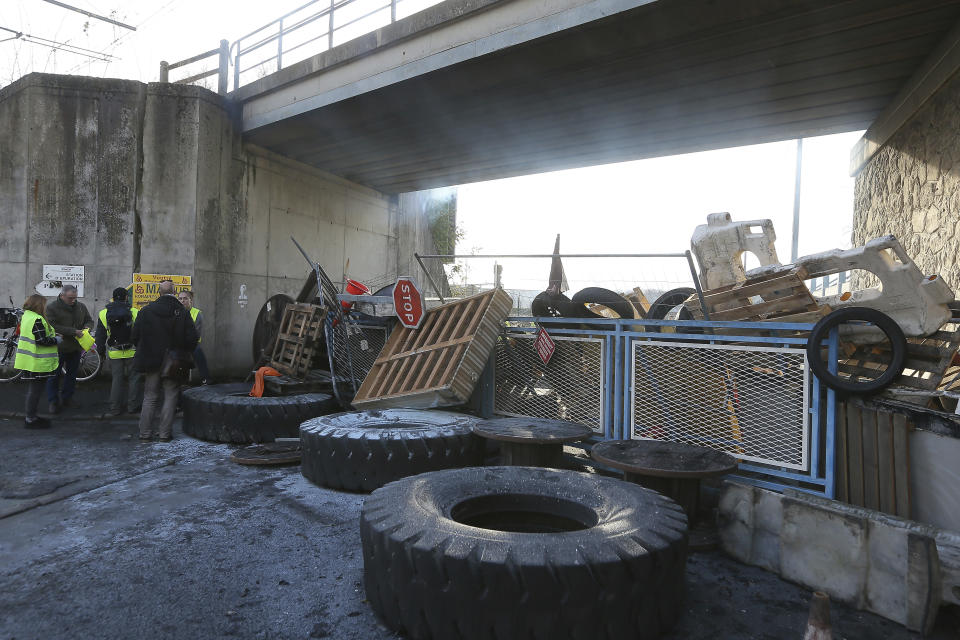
163	324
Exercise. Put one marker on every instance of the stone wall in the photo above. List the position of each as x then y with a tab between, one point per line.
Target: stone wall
123	177
911	188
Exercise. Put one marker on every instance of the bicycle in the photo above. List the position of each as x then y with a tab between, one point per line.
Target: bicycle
9	336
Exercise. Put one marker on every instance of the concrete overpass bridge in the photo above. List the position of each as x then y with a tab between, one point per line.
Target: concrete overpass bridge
472	90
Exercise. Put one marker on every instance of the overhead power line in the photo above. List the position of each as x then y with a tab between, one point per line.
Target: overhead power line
59	46
92	15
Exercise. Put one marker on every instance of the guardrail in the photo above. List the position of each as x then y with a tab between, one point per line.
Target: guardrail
294	26
223	51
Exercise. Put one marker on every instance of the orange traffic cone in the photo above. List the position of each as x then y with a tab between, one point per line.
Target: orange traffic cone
818	624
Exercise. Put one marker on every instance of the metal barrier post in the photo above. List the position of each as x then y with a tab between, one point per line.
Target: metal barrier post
830	489
330	28
280	46
164	71
224	64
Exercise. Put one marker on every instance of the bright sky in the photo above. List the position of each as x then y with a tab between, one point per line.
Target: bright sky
646	206
653	206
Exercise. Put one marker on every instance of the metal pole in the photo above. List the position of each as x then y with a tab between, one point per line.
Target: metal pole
224	64
280	47
330	29
430	278
796	203
236	68
164	71
696	284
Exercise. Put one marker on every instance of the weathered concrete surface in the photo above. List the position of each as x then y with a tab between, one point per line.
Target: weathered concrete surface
866	559
174	541
911	188
123	177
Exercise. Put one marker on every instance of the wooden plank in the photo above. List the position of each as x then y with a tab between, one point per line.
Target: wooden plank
901	464
842	455
792	304
871	488
885	469
855	459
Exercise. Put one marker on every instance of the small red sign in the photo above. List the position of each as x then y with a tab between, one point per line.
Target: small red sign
544	345
408	303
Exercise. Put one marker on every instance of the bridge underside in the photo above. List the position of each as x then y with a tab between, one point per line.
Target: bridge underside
673	76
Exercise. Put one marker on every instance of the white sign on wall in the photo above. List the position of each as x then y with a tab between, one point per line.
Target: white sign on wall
57	275
71	273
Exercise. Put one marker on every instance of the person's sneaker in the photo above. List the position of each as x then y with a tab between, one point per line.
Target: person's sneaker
146	439
164	438
204	382
65	402
36	423
114	412
54	408
134	410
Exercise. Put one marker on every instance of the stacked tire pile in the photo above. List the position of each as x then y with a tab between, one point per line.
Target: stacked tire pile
455	550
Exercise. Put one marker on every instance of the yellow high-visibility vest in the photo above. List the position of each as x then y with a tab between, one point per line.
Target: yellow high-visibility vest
112	352
194	312
30	355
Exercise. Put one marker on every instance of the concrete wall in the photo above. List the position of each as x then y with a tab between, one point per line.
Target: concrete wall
911	188
123	177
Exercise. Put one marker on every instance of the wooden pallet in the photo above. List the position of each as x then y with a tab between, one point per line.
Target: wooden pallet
438	364
927	366
873	458
779	295
298	339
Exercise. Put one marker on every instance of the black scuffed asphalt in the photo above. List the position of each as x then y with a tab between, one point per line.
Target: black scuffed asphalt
104	537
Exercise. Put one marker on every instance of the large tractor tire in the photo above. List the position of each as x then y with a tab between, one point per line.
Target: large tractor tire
523	552
226	413
363	451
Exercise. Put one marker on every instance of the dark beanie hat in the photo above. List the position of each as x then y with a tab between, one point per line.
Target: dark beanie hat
119	294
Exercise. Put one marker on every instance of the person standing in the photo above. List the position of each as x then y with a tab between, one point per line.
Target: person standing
114	336
161	326
186	299
69	318
37	356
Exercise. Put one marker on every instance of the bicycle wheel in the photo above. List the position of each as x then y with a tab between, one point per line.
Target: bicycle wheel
8	353
90	364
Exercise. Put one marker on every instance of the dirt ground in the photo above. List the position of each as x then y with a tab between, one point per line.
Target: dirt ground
104	537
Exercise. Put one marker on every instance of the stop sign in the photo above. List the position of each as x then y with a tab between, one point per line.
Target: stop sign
408	302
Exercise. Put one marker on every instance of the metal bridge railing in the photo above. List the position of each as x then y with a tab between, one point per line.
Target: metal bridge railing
311	28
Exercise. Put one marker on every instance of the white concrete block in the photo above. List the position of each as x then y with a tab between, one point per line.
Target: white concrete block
768	522
735	517
824	550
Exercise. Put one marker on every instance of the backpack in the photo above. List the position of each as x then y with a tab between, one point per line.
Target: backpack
120	324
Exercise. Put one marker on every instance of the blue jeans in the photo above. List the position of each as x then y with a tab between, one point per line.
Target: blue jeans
70	362
201	361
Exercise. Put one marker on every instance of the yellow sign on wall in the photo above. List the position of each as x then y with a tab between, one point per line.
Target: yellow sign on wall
145	285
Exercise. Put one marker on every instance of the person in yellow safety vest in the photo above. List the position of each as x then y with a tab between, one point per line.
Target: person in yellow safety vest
199	358
37	356
113	337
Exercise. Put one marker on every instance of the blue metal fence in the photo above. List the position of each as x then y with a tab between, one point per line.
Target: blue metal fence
624	340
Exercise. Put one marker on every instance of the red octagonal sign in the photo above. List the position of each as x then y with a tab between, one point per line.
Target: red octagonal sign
408	302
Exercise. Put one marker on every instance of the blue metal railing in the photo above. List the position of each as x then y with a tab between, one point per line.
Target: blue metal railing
619	337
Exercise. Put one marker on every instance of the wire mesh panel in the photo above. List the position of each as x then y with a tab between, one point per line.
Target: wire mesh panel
366	343
570	387
750	401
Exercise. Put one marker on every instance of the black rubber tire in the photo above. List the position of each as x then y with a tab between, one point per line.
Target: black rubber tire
224	413
598	295
429	574
552	305
667	301
898	349
364	451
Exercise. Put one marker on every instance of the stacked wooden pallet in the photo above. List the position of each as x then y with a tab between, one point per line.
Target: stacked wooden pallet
779	295
927	366
298	339
438	364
